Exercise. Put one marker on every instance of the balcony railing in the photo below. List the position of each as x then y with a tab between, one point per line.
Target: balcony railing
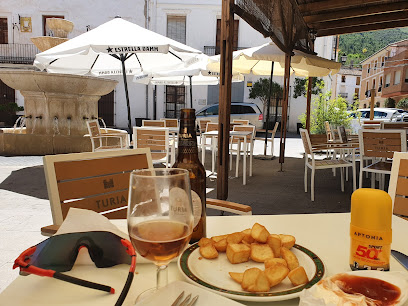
213	50
17	53
343	95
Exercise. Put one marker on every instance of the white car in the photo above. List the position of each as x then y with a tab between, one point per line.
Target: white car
239	110
380	114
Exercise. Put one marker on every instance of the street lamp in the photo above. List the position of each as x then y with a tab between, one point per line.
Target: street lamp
343	58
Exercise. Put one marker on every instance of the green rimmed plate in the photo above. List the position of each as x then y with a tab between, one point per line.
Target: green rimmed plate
213	275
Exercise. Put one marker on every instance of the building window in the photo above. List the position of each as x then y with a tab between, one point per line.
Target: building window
365	105
406	76
3	31
343	79
368	69
397	77
46	30
358	81
387	80
380	86
175	101
356	93
218	37
377	104
176	28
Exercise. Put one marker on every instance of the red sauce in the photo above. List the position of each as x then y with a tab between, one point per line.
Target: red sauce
381	291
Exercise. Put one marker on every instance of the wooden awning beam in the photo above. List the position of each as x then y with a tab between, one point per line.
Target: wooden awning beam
363	28
359	21
327	5
314	17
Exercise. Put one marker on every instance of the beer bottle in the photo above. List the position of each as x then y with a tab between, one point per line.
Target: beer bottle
187	158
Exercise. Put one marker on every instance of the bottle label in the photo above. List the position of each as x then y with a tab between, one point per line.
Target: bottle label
197	207
369	249
178	198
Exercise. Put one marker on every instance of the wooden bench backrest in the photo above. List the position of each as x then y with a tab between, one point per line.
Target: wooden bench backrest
382	143
211	126
156	139
342	134
398	187
245	128
170	122
317	138
159	123
202	124
241	121
329	131
394	125
93	128
97	181
371	124
306	140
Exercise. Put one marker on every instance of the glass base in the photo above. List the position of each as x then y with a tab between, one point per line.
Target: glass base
145	295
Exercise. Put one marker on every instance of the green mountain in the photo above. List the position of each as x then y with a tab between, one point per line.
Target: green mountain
359	46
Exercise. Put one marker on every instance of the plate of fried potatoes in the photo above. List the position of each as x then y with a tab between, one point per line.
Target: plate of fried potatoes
252	265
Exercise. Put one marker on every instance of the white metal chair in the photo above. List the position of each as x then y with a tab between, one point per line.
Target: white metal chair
380	145
238	142
271	139
322	164
105	141
210	126
398	187
158	140
156	123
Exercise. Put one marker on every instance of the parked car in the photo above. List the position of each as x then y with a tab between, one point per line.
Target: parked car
239	110
380	114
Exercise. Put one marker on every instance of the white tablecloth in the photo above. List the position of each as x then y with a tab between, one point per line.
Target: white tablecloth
325	234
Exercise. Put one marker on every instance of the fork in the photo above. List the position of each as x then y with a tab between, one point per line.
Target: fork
186	301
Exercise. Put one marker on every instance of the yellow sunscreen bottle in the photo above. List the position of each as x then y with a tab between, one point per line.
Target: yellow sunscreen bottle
370	230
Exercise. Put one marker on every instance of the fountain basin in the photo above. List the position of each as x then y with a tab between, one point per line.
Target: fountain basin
56	108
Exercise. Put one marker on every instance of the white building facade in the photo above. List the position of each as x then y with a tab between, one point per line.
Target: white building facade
347	84
195	23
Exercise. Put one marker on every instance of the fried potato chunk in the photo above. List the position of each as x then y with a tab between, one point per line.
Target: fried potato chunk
276	274
249	277
261	284
218	238
247	238
221	246
208	251
274	241
236	276
237	253
270	262
235	237
205	241
290	258
259	233
298	276
288	241
261	252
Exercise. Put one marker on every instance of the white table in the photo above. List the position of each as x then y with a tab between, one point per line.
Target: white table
325	234
214	134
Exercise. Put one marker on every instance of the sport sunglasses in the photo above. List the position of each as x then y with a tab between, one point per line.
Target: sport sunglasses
58	254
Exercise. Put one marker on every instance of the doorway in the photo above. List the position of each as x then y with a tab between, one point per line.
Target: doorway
175	101
106	108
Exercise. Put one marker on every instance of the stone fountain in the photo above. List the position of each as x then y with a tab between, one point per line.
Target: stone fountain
56	106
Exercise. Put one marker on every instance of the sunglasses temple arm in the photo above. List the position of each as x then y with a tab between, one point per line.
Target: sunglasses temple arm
84	283
129	280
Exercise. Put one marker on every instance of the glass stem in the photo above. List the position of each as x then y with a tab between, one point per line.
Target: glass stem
161	277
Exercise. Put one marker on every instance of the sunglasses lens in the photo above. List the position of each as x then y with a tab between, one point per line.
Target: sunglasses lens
59	252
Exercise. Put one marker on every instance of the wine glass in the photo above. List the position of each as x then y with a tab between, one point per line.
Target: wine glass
160	217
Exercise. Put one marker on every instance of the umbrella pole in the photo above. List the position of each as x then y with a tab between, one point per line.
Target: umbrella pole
267	110
284	111
191	91
122	60
154	102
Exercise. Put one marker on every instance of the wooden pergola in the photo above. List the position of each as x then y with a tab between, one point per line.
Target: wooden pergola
293	24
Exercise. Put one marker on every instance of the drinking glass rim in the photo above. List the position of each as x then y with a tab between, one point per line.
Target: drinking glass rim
178	172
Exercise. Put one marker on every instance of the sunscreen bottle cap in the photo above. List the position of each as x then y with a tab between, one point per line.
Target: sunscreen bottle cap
371	209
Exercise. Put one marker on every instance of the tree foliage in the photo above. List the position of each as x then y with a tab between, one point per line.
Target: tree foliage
301	84
359	46
389	102
403	103
326	109
260	89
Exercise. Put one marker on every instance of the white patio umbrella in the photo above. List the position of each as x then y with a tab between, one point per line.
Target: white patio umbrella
268	59
104	50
